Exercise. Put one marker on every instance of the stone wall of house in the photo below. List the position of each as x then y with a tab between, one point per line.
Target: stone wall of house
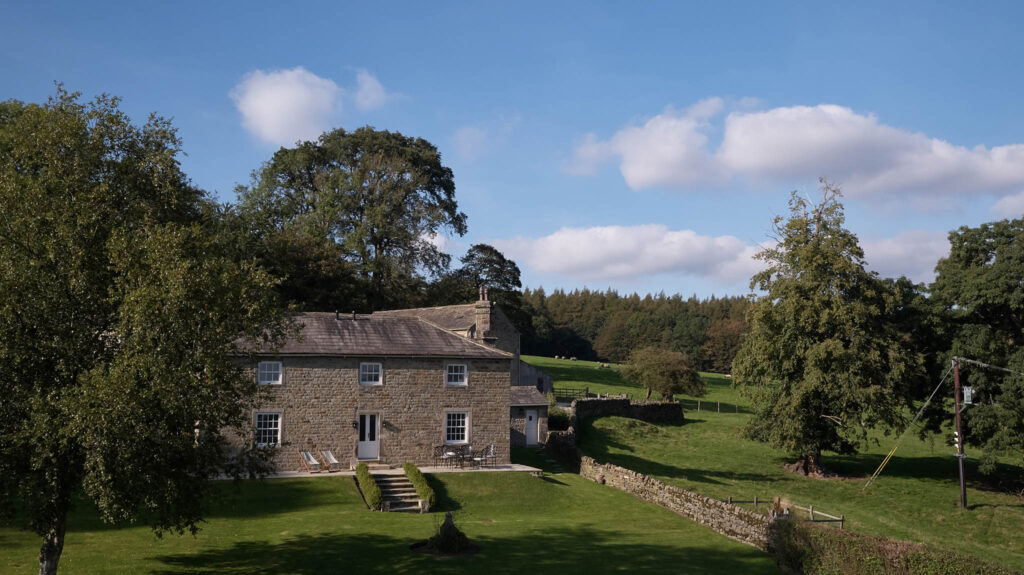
320	399
735	522
651	411
517	421
530	376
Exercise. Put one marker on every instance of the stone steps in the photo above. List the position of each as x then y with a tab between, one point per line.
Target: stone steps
398	493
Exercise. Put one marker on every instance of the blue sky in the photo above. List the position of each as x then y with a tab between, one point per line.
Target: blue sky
637	146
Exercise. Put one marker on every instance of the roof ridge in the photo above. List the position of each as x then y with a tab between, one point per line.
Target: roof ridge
472	341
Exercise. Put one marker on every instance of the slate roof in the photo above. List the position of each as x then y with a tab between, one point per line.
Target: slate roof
526	395
377	335
452	317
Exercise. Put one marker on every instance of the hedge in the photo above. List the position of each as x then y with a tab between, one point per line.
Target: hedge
423	489
807	548
371	492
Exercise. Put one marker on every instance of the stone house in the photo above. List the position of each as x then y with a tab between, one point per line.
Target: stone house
391	386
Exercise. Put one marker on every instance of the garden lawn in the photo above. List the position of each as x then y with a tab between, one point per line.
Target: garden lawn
521	523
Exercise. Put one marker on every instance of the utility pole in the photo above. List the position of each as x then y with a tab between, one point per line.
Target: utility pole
959	431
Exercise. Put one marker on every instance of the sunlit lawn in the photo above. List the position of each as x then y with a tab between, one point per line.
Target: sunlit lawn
560	523
916	497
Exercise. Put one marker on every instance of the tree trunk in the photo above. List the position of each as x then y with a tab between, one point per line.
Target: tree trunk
648	396
809	464
53	546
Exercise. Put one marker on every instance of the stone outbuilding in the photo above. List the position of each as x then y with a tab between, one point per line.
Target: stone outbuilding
529	416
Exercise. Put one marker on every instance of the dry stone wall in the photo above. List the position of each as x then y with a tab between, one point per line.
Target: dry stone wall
735	522
320	398
651	411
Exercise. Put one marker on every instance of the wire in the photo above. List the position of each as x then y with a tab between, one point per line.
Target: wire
980	364
904	434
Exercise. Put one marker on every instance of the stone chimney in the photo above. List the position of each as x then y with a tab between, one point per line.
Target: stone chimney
482	315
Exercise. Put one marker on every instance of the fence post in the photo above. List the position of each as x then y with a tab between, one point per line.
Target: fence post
811	509
698	405
755	502
730	500
719	406
842	520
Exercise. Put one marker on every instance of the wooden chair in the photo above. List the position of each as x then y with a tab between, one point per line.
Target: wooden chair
309	462
330	462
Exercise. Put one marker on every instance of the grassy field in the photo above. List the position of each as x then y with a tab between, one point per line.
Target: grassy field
916	498
521	523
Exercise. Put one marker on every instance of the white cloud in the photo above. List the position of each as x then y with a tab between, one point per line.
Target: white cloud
668	150
285	106
799	144
1010	206
369	93
912	254
470	142
623	252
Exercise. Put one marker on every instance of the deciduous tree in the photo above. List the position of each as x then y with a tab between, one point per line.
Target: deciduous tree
980	288
665	371
378	196
118	312
821	361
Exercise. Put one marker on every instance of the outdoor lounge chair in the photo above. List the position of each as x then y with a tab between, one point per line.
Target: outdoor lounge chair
309	462
330	462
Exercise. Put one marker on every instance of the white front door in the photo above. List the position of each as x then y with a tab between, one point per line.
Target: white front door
367	448
531	427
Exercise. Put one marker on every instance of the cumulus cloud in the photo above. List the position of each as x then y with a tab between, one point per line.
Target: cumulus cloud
912	254
799	143
284	106
369	93
668	150
470	142
622	252
1010	206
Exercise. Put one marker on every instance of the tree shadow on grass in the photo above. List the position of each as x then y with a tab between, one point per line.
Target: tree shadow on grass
572	550
444	501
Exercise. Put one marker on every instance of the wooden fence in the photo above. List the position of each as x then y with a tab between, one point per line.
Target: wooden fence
715	406
567	394
812	514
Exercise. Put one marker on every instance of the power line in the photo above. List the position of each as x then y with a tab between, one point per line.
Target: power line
904	434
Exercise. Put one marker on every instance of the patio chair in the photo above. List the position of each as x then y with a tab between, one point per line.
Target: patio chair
449	454
309	462
486	455
330	462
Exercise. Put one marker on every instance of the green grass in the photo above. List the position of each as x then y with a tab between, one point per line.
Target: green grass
916	498
566	373
521	523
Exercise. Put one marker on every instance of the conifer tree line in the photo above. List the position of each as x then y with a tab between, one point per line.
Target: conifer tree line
607	326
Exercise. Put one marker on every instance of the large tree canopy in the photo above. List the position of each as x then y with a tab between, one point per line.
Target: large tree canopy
980	289
117	316
665	371
822	362
372	198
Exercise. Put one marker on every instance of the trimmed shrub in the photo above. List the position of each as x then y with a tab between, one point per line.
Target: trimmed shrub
423	489
369	487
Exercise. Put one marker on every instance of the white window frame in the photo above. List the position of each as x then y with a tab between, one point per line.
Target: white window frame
256	426
448	375
465	427
379	370
261	372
